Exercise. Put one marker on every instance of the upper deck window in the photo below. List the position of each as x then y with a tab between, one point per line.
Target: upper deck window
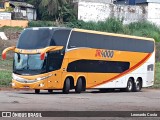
43	37
99	41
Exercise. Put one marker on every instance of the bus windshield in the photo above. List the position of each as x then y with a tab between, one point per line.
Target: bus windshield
34	39
29	64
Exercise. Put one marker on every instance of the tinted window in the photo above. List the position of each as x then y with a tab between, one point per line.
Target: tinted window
109	42
60	38
43	37
34	39
78	40
98	66
54	60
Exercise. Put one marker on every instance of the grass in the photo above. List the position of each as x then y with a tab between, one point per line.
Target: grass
6	72
5	78
157	76
9	28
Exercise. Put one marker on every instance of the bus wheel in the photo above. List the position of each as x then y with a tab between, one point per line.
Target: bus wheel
50	91
37	91
66	86
137	86
130	85
79	86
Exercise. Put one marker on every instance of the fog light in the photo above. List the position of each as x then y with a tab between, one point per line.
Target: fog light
13	84
41	85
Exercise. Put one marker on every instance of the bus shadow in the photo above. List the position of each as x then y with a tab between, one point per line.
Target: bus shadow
59	92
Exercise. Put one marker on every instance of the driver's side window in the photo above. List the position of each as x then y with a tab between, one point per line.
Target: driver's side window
54	60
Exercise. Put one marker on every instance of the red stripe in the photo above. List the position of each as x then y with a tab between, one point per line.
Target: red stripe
127	71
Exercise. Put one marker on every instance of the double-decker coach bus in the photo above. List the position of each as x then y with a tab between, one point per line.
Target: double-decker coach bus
66	58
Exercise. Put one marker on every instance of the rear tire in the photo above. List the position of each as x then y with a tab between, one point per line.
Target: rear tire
130	85
66	86
137	86
37	91
79	86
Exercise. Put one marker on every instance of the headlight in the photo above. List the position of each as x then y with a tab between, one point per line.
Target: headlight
15	77
41	78
23	80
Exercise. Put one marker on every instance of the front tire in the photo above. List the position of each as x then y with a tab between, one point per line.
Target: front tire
130	86
66	86
79	86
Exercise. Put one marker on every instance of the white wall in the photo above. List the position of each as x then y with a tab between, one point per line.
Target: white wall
31	14
154	13
5	16
90	11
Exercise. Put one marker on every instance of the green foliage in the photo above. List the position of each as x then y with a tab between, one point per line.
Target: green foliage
66	13
157	76
110	25
145	29
60	10
5	78
6	28
41	24
5	72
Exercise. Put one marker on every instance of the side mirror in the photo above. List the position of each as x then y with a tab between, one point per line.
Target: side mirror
48	49
6	50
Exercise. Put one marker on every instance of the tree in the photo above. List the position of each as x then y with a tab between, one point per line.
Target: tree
60	9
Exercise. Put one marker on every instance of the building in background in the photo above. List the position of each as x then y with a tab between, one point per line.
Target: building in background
19	10
126	10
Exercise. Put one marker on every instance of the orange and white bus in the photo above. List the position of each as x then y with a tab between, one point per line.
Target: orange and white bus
65	58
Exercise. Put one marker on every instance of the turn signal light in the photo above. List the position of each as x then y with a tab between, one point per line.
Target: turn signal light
42	56
4	56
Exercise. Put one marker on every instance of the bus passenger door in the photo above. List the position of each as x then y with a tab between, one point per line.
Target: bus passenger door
54	68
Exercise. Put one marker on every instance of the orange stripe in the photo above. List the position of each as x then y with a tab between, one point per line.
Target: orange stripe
125	72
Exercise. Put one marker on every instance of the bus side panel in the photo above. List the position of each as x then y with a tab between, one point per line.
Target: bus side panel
146	71
55	82
97	78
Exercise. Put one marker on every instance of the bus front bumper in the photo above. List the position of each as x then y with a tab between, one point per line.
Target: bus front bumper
35	85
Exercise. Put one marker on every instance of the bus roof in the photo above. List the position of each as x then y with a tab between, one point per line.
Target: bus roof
94	32
112	34
56	28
